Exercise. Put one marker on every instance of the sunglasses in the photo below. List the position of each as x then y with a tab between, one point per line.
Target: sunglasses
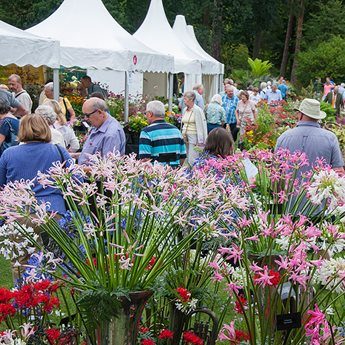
87	115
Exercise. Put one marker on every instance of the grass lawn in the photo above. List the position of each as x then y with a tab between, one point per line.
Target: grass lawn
5	273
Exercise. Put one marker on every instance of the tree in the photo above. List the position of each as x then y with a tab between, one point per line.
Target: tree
298	40
285	57
326	59
318	28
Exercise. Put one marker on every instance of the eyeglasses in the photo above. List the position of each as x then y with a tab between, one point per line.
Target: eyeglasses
87	115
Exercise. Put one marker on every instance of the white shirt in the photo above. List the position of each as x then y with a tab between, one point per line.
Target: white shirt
25	100
70	139
57	137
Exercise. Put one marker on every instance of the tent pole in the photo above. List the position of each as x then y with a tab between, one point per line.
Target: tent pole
221	76
171	89
126	96
56	83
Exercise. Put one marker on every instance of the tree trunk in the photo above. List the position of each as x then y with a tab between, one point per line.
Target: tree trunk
257	43
298	42
287	43
217	29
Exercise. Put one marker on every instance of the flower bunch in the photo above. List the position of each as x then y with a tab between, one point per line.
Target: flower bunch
285	253
184	302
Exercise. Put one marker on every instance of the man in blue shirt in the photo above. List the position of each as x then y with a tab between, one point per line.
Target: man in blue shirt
274	95
230	101
106	134
160	141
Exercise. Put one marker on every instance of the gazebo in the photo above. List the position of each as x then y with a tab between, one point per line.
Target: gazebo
212	70
91	38
156	33
23	48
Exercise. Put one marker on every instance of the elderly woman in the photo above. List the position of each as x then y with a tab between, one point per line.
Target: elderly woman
64	103
9	126
194	128
70	139
215	113
245	112
48	114
36	154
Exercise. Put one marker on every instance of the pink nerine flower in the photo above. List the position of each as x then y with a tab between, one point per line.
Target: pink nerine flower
233	253
317	327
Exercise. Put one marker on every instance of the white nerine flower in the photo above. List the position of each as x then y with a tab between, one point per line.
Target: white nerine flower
332	274
187	307
327	185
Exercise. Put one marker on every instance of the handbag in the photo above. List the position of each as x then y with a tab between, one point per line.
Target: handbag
13	139
68	114
184	133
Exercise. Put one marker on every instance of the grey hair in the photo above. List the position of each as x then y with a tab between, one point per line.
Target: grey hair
17	77
49	86
217	99
263	85
190	95
47	113
157	108
198	86
4	107
229	87
99	104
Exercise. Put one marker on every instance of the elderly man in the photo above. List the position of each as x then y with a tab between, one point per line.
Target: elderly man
310	138
229	102
106	134
7	97
273	95
199	100
15	85
160	141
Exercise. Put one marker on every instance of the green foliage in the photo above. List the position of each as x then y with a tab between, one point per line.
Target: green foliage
259	68
319	29
329	110
98	306
327	58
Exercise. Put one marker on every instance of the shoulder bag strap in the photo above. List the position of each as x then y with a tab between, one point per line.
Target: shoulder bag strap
62	159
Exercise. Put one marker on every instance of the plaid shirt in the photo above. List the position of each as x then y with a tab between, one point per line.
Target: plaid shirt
229	105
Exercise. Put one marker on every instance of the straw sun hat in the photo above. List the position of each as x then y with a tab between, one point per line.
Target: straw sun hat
311	108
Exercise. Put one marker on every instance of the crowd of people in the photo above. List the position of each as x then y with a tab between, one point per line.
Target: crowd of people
32	142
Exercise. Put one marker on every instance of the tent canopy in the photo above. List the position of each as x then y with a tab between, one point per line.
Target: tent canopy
156	33
22	48
91	38
208	64
196	45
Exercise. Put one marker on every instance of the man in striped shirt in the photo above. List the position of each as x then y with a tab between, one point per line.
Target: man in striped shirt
161	141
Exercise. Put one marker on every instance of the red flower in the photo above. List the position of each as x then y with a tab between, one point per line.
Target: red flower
242	336
6	310
276	277
42	285
5	295
191	338
52	334
147	342
166	334
240	304
184	294
52	303
143	329
151	263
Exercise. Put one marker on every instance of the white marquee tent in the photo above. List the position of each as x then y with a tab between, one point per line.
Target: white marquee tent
22	48
156	33
91	38
211	68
